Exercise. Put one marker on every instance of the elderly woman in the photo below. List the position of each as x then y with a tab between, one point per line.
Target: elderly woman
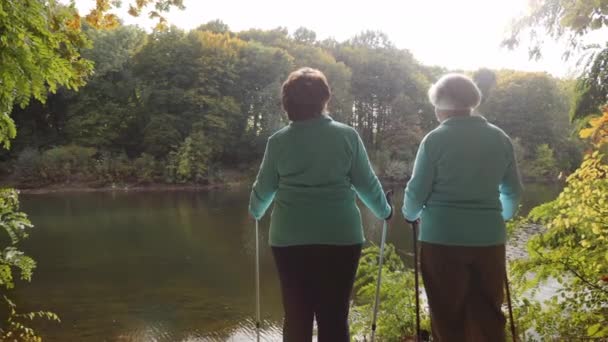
310	169
464	186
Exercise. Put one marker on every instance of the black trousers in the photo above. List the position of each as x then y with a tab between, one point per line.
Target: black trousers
316	283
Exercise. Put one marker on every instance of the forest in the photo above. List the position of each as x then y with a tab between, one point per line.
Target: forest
197	107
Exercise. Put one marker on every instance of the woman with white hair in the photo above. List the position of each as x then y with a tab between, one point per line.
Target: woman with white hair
464	186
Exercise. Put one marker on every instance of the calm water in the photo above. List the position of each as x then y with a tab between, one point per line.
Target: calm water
159	266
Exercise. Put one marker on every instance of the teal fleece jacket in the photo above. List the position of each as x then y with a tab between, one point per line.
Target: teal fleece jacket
313	170
465	184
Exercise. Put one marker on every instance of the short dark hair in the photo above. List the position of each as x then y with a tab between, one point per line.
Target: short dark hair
305	94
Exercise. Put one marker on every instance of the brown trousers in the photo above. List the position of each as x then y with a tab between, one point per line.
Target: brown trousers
464	286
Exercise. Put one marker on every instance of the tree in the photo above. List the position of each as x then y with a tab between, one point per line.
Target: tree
261	70
544	165
190	162
383	78
40	52
278	37
598	132
485	79
529	106
215	26
304	36
101	18
104	113
338	75
190	78
571	20
592	86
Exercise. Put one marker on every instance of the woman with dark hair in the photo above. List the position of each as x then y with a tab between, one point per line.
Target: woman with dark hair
312	169
464	186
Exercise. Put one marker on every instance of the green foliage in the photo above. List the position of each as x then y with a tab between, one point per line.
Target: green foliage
101	18
39	52
40	47
533	109
544	165
190	162
598	132
15	227
388	89
160	134
592	86
397	312
15	328
573	252
520	154
148	91
570	20
398	170
63	163
485	80
104	113
528	106
215	26
27	166
147	169
303	35
114	167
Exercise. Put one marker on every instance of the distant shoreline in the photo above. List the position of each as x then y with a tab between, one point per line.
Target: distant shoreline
88	187
70	188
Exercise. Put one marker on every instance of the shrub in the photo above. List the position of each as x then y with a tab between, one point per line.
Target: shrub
28	164
397	170
397	311
146	168
190	162
544	165
114	167
571	251
62	163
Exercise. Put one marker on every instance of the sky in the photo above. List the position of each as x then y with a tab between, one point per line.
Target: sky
456	34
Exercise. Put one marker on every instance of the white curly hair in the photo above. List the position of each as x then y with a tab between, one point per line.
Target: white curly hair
455	92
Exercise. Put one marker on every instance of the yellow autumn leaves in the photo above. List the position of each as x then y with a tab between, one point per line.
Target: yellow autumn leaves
598	132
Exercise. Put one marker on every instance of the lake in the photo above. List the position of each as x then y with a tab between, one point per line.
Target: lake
161	265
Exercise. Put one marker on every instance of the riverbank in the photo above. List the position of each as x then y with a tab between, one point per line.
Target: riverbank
229	179
67	188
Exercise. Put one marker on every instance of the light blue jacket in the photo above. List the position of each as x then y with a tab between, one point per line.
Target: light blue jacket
465	184
313	170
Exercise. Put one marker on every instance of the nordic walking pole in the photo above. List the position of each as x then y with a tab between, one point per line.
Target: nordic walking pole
510	305
389	194
257	280
415	225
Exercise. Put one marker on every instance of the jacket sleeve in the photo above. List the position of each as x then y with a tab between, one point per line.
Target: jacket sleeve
420	185
366	183
265	185
511	187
